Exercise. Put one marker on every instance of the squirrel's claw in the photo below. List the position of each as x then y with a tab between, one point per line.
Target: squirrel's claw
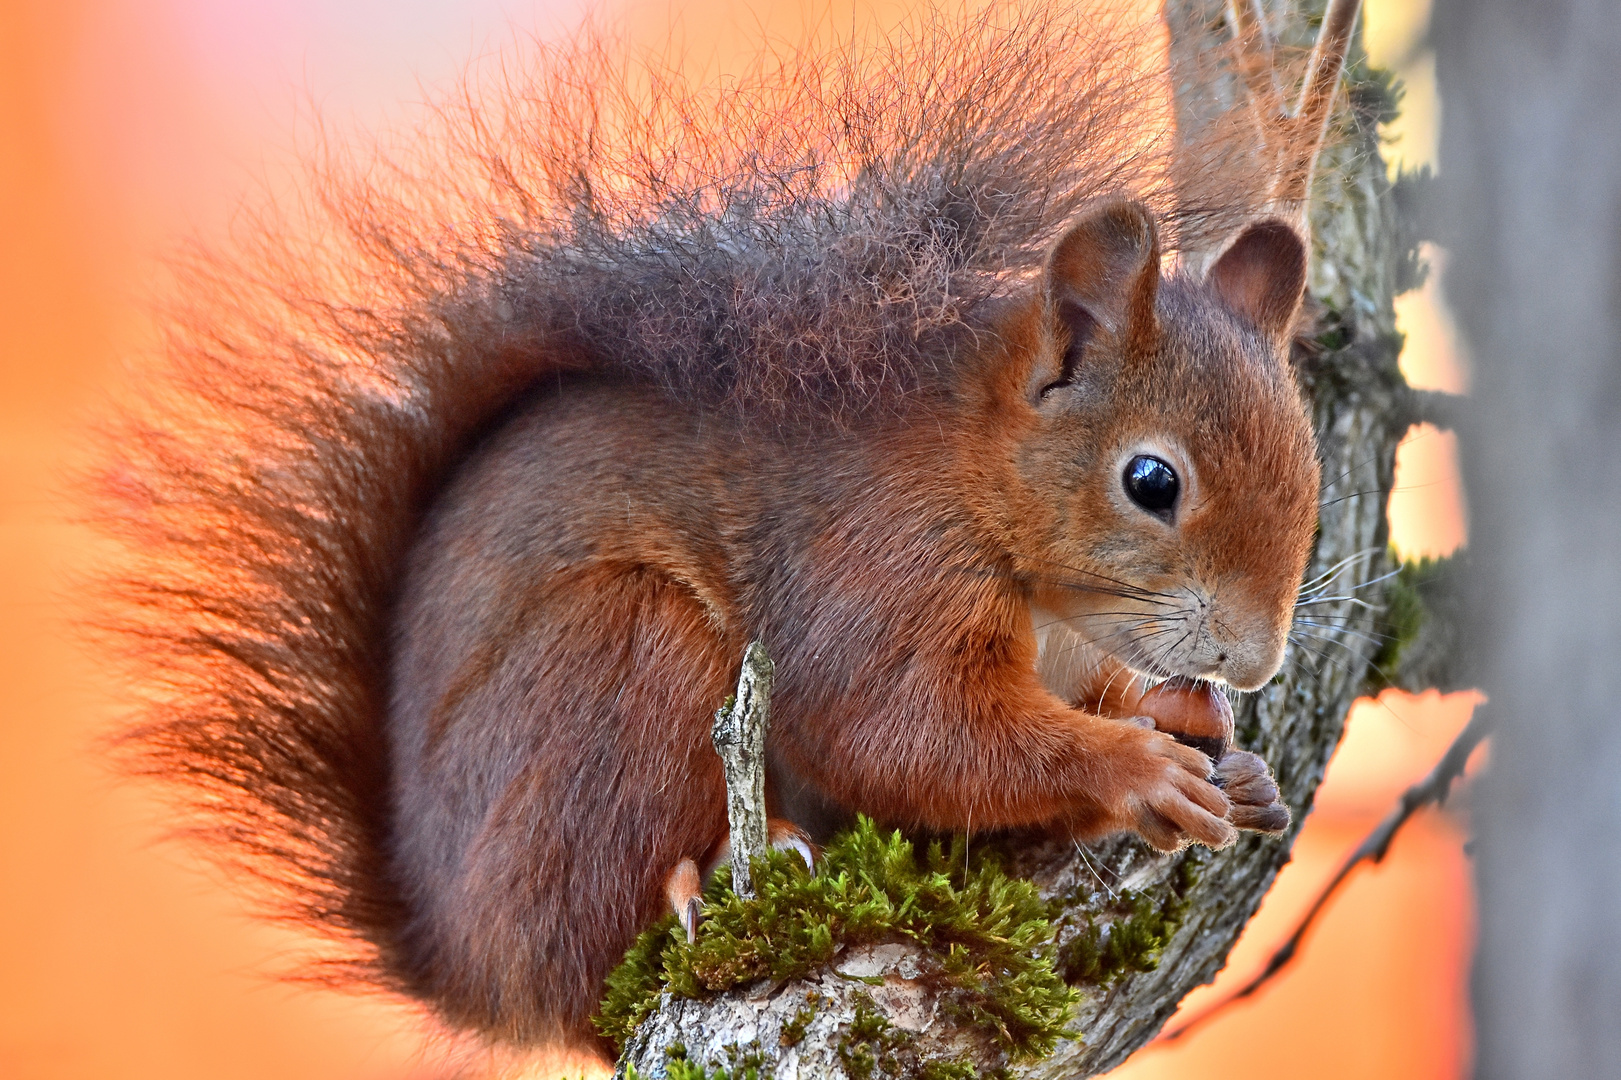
689	918
684	890
1272	819
784	835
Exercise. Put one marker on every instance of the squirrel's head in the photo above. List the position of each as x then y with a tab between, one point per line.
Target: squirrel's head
1166	453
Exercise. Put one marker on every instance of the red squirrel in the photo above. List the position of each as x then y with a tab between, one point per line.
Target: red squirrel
451	521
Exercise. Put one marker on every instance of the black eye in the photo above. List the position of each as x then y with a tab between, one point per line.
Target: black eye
1152	484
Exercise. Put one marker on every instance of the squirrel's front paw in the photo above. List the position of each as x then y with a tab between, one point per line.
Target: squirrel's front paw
1248	784
1172	800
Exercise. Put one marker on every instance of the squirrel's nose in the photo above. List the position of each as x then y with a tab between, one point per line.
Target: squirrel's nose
1250	659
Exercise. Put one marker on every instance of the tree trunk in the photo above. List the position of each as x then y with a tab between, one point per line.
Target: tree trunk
1201	899
1531	164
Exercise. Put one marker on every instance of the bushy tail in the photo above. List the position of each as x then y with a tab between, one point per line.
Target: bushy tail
794	239
267	487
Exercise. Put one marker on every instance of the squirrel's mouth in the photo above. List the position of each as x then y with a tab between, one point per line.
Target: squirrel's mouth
1153	672
1157	673
1243	673
1201	642
1168	647
1078	651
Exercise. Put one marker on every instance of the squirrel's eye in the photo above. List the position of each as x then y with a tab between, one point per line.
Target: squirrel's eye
1152	484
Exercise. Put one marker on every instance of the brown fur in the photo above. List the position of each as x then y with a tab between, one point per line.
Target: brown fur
598	565
462	496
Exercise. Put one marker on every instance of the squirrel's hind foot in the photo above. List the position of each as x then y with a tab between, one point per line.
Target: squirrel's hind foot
683	888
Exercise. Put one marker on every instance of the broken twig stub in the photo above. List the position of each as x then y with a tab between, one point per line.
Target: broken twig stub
739	735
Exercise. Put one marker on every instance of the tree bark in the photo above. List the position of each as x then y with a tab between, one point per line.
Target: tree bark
1361	409
1531	167
739	736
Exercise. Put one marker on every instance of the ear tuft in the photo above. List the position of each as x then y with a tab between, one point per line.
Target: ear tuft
1262	277
1105	272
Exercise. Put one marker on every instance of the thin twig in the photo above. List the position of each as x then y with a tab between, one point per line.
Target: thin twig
1435	407
739	737
1434	788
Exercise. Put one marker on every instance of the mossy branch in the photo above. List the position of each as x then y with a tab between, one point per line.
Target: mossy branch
956	958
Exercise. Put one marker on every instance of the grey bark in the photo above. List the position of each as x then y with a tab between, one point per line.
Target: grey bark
739	737
1531	166
1361	409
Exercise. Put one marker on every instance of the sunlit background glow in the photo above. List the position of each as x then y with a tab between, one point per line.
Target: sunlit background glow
128	124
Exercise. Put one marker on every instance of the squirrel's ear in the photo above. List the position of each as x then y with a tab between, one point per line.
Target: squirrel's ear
1262	277
1105	273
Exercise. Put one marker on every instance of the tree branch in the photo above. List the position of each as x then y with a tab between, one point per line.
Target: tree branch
1435	407
1434	788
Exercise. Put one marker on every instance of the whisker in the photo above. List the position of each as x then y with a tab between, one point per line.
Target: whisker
1027	577
1346	668
1134	589
1321	655
1088	864
1304	637
1125	593
1127	632
1355	466
1353	495
1370	581
1342	665
1325	633
1333	571
1164	654
1110	684
1347	598
1328	618
1353	557
1072	618
1131	633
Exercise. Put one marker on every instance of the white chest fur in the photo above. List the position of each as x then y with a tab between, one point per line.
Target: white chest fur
1066	660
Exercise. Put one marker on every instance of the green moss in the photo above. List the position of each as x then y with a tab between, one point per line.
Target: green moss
986	936
959	1070
871	1046
1405	613
871	1042
1128	933
742	1063
1403	616
794	1030
686	1070
948	1070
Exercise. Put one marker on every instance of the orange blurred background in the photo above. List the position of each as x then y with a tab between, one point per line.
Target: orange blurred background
126	125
